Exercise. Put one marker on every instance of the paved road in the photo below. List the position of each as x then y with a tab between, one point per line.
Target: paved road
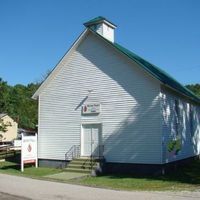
45	190
4	196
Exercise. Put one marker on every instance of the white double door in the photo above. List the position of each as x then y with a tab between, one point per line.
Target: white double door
91	139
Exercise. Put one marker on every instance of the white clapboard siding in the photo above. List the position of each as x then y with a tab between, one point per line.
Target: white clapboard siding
189	143
130	106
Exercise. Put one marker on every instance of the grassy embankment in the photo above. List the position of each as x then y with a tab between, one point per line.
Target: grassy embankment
186	178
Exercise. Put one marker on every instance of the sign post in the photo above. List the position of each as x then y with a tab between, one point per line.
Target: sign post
29	150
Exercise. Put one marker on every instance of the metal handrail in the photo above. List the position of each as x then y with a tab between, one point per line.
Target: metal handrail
100	149
73	152
98	152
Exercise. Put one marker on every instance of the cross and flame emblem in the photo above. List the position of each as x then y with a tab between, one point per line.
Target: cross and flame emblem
29	148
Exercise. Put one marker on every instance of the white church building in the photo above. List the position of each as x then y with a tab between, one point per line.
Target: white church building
102	100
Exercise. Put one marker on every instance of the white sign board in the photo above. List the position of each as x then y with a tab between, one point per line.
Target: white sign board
29	150
91	108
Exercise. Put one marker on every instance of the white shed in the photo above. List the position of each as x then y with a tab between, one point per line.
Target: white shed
106	101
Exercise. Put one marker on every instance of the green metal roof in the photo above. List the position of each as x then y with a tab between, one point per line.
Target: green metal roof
97	20
159	74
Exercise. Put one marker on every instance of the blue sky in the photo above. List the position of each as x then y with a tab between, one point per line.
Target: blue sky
34	34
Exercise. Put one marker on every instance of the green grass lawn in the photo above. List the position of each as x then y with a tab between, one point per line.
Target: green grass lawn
30	171
186	178
134	183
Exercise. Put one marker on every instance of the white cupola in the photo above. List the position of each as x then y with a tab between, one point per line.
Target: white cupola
103	27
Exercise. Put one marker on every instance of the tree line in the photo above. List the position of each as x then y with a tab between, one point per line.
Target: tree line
195	88
17	103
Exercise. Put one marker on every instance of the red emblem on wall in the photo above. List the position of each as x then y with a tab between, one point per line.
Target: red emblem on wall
85	108
29	148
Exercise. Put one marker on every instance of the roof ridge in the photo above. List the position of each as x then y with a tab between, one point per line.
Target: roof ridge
157	68
96	20
158	73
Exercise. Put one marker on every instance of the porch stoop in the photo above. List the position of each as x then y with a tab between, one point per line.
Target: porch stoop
82	165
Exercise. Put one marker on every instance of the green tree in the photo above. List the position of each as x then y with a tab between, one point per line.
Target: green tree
24	108
195	88
4	96
17	103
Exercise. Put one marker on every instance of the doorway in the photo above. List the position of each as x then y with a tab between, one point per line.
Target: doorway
91	140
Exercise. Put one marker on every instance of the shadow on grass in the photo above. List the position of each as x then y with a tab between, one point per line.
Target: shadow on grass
187	174
12	165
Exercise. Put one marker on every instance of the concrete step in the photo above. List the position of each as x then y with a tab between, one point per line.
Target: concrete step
81	161
86	160
84	171
80	166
